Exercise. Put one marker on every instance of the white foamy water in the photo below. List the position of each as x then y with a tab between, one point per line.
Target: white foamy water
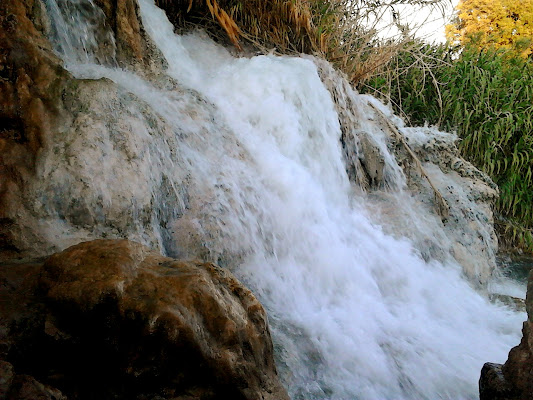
355	313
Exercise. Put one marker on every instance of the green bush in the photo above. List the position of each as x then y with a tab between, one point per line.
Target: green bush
486	96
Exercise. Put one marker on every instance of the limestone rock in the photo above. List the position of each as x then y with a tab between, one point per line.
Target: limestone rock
466	234
515	303
134	50
113	319
372	162
43	110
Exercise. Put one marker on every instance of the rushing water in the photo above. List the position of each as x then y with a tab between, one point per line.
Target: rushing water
356	311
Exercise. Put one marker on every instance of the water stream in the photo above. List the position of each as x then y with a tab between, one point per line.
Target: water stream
357	309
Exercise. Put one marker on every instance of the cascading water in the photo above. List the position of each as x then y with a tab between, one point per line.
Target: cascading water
250	149
78	32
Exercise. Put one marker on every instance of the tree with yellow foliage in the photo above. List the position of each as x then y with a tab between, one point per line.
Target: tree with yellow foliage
494	23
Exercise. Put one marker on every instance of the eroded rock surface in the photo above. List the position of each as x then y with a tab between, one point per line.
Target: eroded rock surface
48	116
112	319
108	163
31	81
466	232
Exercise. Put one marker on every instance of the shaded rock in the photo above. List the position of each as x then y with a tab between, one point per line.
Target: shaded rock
112	319
21	321
6	378
133	47
514	379
31	80
21	311
518	369
492	384
43	113
372	161
25	387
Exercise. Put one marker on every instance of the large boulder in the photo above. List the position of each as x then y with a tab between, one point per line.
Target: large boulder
113	319
514	379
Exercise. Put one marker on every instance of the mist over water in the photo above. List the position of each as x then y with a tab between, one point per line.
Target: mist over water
356	311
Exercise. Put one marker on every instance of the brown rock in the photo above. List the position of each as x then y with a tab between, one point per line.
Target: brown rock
134	50
169	327
493	385
25	387
123	18
31	80
110	319
19	307
6	378
518	369
514	379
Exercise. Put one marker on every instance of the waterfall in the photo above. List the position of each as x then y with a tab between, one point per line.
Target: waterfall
239	161
79	32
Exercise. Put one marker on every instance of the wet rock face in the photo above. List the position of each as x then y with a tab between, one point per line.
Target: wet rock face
123	18
514	379
31	80
43	114
134	50
466	230
116	320
493	384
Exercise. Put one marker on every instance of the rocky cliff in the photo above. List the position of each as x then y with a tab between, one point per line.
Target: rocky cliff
104	319
45	113
31	82
76	166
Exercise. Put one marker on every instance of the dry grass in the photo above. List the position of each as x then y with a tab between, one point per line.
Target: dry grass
342	31
286	25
